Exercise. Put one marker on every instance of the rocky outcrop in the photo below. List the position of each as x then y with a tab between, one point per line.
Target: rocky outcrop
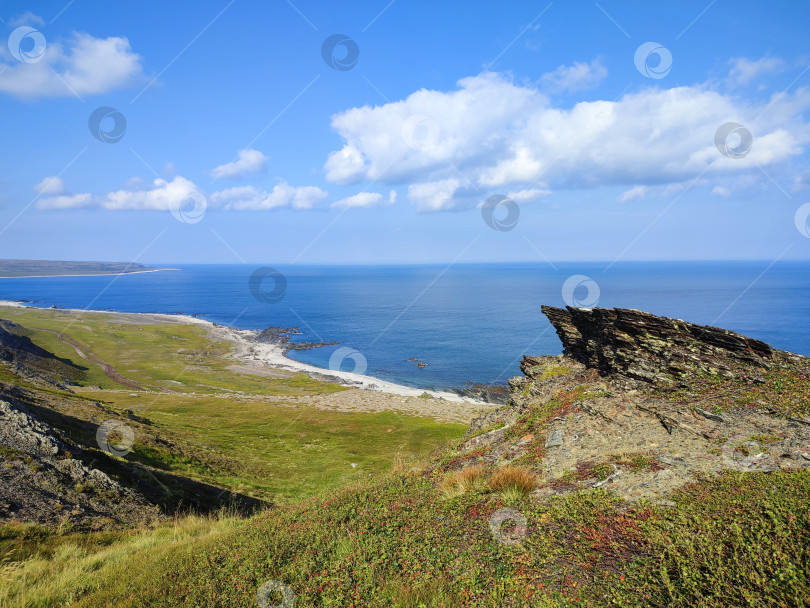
639	346
44	480
640	405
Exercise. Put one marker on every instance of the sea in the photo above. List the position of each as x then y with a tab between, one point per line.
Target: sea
444	326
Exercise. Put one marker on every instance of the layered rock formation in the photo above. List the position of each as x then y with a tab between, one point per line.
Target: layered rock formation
640	346
641	405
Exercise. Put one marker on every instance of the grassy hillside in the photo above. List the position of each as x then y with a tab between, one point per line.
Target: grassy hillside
421	521
740	540
234	430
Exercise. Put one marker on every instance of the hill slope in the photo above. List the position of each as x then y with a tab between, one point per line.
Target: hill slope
688	486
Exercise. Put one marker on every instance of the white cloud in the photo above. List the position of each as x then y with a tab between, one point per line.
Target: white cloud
84	65
135	183
434	196
366	199
528	195
66	201
743	70
633	193
162	196
250	161
283	195
50	185
572	78
27	18
491	136
721	191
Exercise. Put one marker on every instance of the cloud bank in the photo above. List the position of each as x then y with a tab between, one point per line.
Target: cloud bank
490	135
83	65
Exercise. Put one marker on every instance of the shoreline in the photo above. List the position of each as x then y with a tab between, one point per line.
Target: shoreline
99	274
262	356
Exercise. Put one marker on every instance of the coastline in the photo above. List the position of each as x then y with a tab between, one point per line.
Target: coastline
260	355
99	274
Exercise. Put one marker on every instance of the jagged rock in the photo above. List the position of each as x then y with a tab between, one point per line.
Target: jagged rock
600	407
21	431
643	347
555	438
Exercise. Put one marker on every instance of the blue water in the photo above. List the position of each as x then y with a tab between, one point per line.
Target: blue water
469	323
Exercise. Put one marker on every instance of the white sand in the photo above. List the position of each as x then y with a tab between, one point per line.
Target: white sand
257	354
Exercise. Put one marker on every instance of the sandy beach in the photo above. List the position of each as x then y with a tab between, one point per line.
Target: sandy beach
257	357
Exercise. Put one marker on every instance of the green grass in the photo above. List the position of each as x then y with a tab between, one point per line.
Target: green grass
221	427
176	356
350	537
739	540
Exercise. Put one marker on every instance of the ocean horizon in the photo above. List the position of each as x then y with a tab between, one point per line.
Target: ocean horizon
437	326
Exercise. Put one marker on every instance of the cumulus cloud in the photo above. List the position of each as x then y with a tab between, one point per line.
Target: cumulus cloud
633	193
165	195
366	199
54	195
251	198
66	201
528	195
721	191
50	185
744	71
83	65
490	136
27	18
580	76
249	161
162	196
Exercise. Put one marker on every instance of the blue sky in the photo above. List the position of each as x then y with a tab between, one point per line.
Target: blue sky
242	143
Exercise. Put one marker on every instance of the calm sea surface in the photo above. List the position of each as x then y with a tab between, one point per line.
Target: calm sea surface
469	323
